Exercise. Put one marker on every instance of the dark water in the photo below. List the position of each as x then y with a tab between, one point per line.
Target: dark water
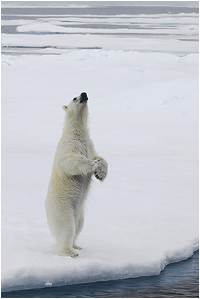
108	10
185	289
102	8
177	280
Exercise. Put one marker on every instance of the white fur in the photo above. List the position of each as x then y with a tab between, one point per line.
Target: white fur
74	164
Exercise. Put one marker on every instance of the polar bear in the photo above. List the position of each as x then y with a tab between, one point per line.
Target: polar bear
75	162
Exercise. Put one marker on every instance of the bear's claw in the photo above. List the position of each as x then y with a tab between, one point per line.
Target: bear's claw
97	176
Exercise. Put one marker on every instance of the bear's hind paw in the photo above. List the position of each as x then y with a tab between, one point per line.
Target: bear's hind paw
77	247
71	253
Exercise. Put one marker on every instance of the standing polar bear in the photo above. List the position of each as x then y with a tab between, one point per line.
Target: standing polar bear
75	162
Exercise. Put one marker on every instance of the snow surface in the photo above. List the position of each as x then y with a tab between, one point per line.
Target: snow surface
143	121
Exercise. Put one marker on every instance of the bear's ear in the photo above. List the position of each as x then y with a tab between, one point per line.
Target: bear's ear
64	107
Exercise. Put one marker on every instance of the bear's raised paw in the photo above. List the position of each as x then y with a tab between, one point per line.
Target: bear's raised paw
101	171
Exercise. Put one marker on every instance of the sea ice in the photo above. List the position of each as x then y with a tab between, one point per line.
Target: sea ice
144	121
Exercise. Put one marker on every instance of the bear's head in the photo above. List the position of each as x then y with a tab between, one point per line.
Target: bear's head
77	110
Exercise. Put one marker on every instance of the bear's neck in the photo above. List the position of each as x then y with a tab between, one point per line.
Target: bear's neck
75	130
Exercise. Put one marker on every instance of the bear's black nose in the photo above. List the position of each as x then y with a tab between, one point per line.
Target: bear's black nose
83	97
84	94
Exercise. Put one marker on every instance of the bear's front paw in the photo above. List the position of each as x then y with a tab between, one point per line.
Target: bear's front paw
101	171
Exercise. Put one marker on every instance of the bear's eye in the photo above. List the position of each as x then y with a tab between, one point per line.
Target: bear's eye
75	99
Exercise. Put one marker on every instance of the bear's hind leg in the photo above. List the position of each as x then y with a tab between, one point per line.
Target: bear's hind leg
65	239
78	230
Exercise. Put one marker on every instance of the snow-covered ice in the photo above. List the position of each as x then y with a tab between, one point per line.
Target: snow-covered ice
171	33
144	121
63	44
182	26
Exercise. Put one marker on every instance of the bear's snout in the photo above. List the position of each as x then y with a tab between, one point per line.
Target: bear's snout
83	97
